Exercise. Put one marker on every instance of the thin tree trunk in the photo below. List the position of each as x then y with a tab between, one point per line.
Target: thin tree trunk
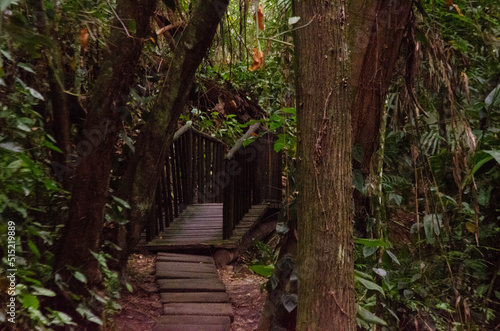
376	32
107	109
59	121
153	144
326	297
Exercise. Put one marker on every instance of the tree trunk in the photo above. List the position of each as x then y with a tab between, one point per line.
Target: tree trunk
326	297
155	139
95	148
375	35
376	30
59	114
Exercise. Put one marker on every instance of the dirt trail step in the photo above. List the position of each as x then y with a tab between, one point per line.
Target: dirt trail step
193	296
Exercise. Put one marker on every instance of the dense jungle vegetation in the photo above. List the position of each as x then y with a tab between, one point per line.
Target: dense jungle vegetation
426	191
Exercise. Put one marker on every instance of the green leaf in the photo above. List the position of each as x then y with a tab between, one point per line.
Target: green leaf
289	301
12	147
248	141
263	270
33	248
379	271
368	316
25	66
23	127
495	154
369	250
61	319
484	196
370	285
121	202
100	258
50	145
50	184
493	97
362	274
30	300
396	198
129	287
479	159
393	257
408	294
5	53
358	180
34	93
43	291
357	153
444	306
279	143
81	277
4	4
88	314
371	242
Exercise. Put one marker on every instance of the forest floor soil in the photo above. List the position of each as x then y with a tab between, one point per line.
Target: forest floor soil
141	308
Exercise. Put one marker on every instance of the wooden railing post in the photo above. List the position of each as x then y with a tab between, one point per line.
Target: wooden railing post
189	167
168	184
228	205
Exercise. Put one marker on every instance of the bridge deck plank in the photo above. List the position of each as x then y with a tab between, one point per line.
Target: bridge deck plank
199	226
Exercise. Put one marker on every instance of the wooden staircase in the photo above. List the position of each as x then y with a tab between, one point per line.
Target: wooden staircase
193	296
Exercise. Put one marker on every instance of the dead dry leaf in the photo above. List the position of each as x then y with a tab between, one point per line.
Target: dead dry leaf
261	18
258	59
84	37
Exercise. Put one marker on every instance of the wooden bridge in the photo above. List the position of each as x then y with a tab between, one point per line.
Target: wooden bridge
207	198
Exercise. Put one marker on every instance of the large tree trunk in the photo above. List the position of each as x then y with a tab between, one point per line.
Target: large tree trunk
326	297
95	148
375	35
142	174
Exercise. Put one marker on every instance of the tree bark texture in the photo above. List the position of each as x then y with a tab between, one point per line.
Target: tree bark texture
156	137
95	147
376	29
326	297
59	114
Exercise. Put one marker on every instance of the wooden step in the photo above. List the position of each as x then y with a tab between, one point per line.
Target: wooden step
197	297
175	274
200	285
193	323
174	257
186	266
191	327
204	309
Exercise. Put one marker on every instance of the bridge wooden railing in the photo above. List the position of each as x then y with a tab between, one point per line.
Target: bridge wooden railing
252	176
197	171
189	176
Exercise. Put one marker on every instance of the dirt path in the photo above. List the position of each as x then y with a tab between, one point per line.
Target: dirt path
243	287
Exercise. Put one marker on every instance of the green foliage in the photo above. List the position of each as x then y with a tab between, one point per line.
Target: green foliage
30	200
440	176
264	258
